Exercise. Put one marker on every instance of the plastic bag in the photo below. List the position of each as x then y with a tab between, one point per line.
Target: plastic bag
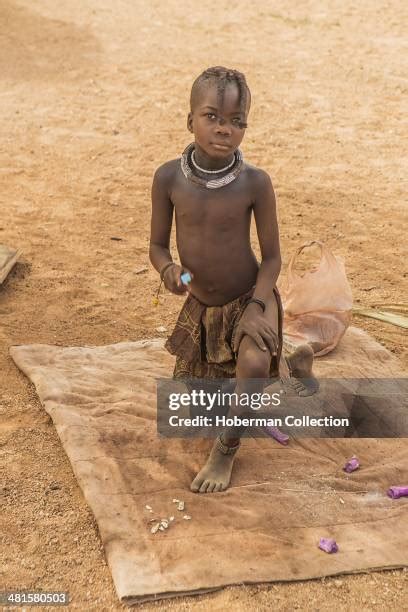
317	305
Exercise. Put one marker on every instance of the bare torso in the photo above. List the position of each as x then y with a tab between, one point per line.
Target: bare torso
213	235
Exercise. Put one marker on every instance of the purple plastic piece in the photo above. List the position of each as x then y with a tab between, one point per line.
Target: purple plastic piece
185	278
352	465
328	545
397	491
278	435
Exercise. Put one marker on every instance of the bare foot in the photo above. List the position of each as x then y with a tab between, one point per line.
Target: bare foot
300	364
215	476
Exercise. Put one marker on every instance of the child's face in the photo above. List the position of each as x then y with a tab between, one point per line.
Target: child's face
218	131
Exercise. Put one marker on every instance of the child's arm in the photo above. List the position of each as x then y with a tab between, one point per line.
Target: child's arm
161	220
161	223
252	322
268	235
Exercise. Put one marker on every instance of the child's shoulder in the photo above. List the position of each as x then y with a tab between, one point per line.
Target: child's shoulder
165	173
258	177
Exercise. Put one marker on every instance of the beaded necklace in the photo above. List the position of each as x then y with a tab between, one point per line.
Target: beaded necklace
187	164
193	160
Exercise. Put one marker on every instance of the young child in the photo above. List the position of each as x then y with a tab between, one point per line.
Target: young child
231	322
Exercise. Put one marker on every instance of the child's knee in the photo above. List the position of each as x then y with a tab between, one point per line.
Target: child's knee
253	363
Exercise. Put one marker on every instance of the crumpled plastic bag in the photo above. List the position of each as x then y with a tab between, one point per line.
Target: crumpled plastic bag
317	304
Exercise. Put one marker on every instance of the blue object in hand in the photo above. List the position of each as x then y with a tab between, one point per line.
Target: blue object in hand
185	278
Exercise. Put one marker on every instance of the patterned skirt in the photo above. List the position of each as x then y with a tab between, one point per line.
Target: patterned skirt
203	336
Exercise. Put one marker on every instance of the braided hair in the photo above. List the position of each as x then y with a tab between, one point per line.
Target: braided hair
221	77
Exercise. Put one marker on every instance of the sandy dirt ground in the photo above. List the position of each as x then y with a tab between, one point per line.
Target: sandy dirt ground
94	96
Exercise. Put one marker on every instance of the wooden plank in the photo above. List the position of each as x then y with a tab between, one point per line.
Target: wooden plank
8	257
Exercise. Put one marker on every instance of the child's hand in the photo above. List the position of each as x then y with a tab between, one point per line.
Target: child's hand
254	324
172	279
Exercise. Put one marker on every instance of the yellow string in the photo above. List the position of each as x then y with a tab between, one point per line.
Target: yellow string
155	300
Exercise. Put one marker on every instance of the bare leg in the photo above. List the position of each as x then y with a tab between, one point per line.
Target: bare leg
252	363
300	364
216	474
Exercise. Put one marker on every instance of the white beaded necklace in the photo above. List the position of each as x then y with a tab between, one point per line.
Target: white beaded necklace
210	183
193	161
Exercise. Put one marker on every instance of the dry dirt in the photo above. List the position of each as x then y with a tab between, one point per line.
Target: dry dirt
94	97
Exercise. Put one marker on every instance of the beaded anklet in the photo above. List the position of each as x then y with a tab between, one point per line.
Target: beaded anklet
224	448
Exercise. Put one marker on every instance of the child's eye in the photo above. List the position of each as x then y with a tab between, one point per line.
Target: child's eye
211	116
237	121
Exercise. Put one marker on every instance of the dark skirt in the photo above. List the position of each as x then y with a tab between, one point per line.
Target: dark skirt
203	336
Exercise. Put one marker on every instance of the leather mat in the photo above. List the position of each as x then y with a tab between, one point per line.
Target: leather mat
266	526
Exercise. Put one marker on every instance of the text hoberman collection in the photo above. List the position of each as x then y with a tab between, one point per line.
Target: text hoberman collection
237	421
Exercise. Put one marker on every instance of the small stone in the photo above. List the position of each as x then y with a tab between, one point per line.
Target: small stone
187	517
148	507
155	528
171	518
175	501
161	329
338	583
180	506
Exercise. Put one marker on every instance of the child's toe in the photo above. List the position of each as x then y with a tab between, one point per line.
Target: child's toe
204	486
196	484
